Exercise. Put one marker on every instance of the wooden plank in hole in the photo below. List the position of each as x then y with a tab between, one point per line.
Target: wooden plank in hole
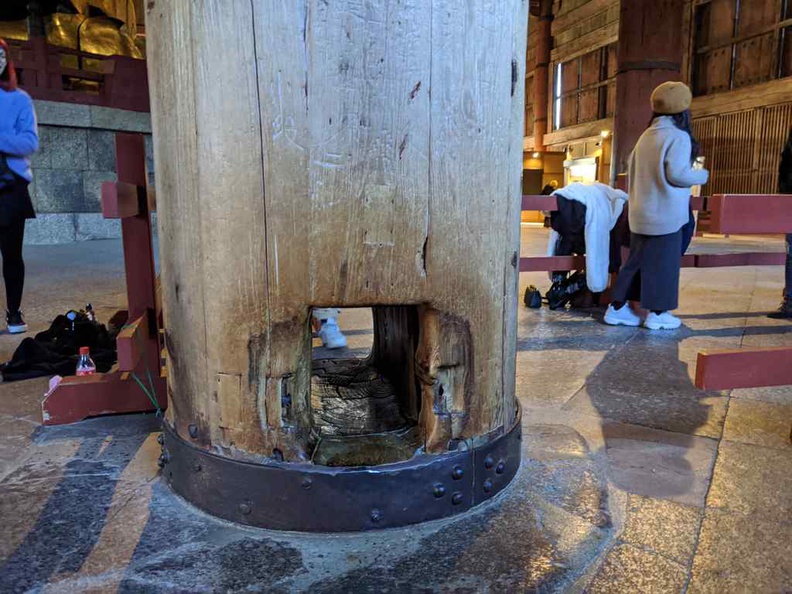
131	343
744	368
120	200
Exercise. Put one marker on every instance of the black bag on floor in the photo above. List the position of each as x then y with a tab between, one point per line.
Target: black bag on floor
55	351
564	289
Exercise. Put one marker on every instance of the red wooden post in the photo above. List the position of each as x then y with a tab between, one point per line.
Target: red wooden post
75	398
651	49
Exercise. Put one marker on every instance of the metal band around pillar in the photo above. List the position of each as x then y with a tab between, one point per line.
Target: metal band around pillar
310	498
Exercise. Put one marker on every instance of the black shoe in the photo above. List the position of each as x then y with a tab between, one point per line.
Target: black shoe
784	312
15	322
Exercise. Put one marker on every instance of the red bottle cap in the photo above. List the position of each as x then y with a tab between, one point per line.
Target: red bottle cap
85	351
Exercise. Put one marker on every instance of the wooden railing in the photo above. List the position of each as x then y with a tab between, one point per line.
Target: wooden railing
52	73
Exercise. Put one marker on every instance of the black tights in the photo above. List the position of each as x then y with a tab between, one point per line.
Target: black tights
13	266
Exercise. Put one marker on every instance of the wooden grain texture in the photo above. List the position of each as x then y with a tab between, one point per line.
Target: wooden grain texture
231	196
284	353
174	122
470	175
350	155
511	245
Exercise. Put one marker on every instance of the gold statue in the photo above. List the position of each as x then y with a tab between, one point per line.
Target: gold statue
102	27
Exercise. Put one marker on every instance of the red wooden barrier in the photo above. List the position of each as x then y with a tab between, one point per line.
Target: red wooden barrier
117	81
744	368
73	399
733	214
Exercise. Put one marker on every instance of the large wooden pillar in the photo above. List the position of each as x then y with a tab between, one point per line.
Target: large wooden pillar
541	78
338	154
651	50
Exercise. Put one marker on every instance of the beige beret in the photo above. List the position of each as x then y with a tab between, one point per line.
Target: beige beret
671	97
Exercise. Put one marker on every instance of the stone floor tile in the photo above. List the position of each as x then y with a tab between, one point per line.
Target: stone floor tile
759	423
625	387
664	527
776	394
742	553
629	569
659	464
752	479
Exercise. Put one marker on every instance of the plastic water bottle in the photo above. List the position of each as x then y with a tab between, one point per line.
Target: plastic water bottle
85	365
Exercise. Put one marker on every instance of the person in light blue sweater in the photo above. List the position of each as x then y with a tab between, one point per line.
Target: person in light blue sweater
18	141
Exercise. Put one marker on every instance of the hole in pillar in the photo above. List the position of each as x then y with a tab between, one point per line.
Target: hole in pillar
364	397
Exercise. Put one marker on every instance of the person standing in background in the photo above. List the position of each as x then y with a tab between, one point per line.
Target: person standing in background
661	174
785	187
325	325
18	141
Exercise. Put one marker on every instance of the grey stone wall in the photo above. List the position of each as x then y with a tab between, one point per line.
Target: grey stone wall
77	154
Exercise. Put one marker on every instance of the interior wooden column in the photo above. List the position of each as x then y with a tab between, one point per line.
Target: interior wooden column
337	154
651	50
541	79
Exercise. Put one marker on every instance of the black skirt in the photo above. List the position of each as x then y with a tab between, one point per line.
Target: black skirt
15	203
651	274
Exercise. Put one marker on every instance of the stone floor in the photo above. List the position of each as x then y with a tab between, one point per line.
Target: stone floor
632	480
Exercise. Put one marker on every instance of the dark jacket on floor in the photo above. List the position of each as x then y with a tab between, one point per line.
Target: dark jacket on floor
55	351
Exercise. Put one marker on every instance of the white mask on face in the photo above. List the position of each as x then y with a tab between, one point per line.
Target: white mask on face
3	61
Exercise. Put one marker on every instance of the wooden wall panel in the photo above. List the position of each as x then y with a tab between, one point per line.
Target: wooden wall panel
610	102
719	27
569	110
612	57
757	15
570	76
755	61
786	52
528	123
589	106
590	68
714	72
775	126
743	148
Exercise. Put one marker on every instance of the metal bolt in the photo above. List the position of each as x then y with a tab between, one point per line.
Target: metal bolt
192	430
376	515
245	508
500	467
439	490
197	466
488	485
489	462
162	460
456	498
160	439
307	483
457	473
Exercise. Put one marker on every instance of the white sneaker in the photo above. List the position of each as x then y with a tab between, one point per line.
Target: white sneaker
331	335
663	321
622	317
15	323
